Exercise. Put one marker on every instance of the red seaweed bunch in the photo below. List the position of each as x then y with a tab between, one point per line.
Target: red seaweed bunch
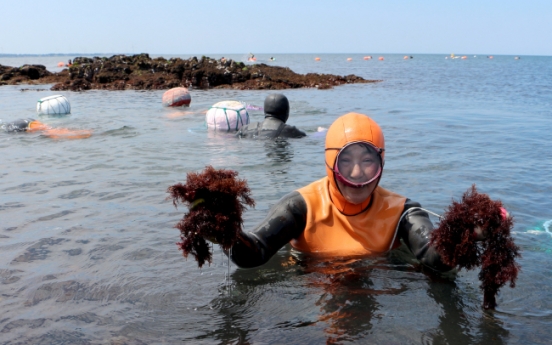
456	241
216	200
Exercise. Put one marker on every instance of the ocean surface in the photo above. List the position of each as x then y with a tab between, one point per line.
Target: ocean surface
87	244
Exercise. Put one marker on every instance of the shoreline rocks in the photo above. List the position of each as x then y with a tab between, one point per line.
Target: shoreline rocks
140	72
24	74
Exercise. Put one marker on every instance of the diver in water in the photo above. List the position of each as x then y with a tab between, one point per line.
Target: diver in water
276	109
346	212
23	125
32	125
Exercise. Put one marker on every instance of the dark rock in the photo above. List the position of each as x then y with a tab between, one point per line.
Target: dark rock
140	72
25	73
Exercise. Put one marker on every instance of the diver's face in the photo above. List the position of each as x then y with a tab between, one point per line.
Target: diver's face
360	167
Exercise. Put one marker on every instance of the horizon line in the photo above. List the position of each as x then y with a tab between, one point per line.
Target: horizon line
206	54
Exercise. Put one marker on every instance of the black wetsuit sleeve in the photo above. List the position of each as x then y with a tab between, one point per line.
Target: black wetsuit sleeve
292	132
285	221
241	131
249	131
415	229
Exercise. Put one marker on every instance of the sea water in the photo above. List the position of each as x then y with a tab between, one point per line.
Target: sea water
87	243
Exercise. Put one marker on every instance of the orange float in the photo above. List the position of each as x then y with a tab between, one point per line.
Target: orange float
316	59
381	58
60	64
58	133
176	97
367	58
35	126
349	59
64	133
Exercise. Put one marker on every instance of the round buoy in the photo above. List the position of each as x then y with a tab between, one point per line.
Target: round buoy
380	58
367	58
53	105
316	59
61	64
405	57
349	59
177	97
227	116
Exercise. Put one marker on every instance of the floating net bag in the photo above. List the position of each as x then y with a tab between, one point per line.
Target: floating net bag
227	116
53	105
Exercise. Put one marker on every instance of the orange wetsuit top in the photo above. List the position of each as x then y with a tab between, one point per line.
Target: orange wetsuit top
328	231
308	220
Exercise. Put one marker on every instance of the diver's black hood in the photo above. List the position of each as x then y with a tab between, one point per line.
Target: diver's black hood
277	105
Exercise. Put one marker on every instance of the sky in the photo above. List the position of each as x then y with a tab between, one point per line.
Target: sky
157	27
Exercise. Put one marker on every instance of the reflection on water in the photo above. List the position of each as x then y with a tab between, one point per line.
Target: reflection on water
279	152
349	300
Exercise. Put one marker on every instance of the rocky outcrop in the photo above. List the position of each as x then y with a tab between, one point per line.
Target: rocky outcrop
140	72
23	74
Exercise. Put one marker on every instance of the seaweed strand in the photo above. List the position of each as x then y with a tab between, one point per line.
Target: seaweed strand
456	241
216	200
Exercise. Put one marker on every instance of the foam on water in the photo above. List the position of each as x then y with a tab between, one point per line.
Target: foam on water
548	226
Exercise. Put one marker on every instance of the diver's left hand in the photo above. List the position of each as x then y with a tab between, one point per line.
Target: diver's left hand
481	235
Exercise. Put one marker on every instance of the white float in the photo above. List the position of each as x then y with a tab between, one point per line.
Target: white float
177	97
227	116
53	105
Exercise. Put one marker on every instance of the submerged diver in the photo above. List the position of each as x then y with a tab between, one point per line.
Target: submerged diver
346	212
276	109
32	125
23	125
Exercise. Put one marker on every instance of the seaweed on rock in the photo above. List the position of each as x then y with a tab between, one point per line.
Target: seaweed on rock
457	242
216	200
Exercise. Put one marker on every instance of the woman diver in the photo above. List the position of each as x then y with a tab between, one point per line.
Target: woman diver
346	212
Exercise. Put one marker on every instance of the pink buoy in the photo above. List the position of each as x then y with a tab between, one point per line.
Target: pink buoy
380	58
367	58
177	97
349	59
